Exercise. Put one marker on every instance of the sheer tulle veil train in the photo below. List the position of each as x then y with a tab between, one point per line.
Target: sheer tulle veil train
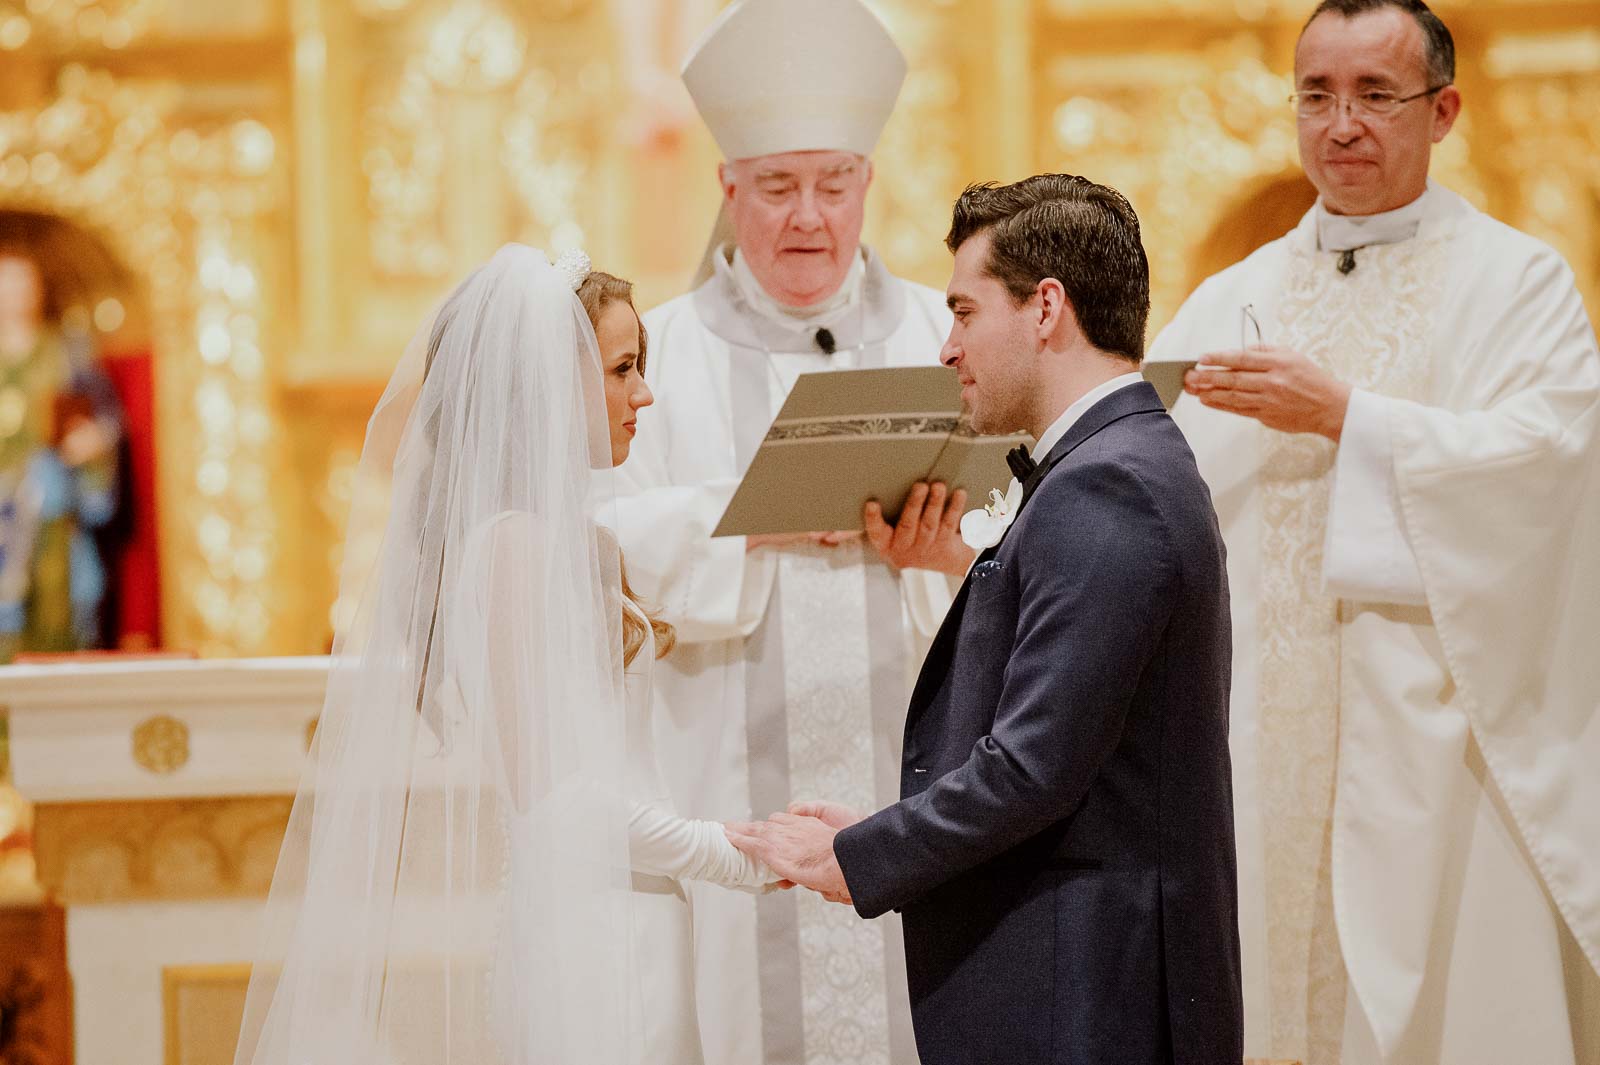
453	886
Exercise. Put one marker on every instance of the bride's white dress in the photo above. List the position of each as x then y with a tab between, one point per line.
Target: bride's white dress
456	885
666	849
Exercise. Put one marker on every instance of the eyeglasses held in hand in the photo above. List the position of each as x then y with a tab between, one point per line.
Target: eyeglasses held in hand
1248	327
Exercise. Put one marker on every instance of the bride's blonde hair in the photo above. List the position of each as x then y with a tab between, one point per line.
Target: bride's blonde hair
598	291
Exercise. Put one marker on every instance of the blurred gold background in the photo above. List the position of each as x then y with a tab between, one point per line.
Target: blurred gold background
267	194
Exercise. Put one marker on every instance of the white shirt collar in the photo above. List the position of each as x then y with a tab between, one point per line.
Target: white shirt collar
1058	428
757	297
1343	232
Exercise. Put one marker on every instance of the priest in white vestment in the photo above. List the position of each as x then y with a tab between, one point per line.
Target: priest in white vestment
1404	463
795	655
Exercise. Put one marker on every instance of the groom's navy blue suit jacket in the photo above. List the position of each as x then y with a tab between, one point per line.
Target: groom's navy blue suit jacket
1063	849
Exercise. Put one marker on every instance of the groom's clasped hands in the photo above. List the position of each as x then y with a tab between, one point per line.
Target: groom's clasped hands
798	845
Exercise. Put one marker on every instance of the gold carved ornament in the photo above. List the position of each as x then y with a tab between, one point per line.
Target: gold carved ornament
161	744
196	203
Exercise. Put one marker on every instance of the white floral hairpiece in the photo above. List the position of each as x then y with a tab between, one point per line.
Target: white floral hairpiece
575	265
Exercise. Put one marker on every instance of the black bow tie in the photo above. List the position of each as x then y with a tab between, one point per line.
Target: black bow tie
1021	463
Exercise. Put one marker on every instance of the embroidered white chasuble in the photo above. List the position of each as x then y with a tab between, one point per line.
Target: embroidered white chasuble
1415	722
793	668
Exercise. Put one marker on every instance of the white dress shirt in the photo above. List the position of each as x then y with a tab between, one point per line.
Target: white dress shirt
1058	428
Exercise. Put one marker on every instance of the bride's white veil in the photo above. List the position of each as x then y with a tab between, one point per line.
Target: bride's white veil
453	887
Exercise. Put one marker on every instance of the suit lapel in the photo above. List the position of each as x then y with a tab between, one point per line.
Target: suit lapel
1140	398
1124	402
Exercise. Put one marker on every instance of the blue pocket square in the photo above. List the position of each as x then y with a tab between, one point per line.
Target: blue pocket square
988	568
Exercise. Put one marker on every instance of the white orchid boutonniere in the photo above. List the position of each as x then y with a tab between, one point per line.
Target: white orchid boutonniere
981	529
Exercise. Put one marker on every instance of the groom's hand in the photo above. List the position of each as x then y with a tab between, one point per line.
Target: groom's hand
927	534
796	848
835	815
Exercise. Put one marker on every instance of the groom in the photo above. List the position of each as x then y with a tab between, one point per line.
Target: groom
1062	853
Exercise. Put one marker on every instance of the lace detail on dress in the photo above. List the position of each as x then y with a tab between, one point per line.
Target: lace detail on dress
1370	328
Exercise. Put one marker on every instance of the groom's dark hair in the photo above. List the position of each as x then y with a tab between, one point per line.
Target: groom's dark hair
1084	235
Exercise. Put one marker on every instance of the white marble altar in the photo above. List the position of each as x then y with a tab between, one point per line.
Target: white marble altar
161	789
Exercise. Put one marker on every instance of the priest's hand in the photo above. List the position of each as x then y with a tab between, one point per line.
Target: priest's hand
928	534
1279	388
826	539
796	848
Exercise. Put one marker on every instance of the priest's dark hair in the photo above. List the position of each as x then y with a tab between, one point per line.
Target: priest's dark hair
1084	235
1438	47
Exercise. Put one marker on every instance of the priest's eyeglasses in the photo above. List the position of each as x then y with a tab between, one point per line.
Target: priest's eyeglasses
1373	103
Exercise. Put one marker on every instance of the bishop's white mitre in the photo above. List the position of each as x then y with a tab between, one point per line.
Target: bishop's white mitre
774	76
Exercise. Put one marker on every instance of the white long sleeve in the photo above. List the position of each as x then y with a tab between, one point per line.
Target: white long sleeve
1367	555
660	843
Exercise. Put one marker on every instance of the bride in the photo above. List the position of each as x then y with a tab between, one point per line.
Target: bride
482	864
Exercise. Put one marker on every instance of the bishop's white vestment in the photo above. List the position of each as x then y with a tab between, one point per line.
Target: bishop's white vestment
1416	706
793	666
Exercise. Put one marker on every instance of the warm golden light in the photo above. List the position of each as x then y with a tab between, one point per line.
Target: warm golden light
14	32
288	212
109	315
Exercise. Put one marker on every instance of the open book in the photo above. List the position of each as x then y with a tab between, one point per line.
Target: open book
847	436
